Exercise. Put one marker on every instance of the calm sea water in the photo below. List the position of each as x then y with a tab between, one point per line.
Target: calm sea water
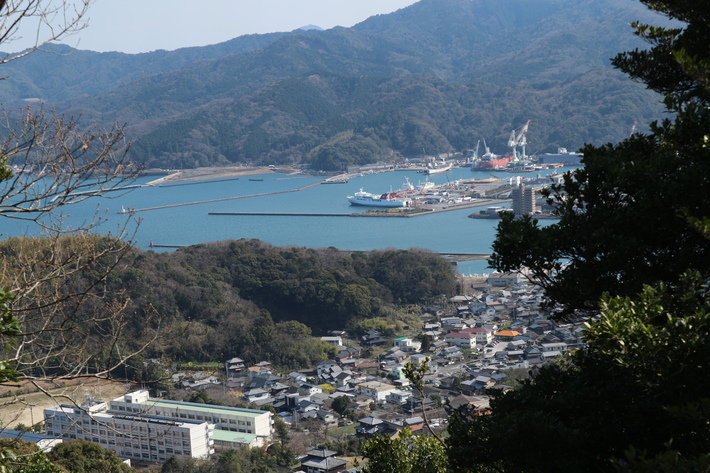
191	224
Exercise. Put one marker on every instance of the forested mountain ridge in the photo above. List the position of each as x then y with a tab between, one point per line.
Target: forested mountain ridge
505	42
338	120
59	72
502	59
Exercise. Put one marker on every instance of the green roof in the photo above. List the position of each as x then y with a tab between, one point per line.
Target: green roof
234	437
205	408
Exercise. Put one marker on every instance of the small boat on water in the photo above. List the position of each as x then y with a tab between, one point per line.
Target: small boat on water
387	200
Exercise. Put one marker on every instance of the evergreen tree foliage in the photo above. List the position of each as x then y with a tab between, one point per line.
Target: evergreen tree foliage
81	456
237	298
628	217
340	404
21	456
637	396
631	244
406	454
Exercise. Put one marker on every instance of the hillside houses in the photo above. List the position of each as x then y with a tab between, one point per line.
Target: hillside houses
470	343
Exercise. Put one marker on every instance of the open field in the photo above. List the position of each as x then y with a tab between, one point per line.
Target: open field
25	404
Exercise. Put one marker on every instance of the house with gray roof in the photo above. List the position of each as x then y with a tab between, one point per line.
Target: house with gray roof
322	461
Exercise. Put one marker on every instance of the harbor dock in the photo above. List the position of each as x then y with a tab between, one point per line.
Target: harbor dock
392	213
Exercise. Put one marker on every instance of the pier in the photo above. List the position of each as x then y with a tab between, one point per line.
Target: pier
153	245
466	256
279	214
192	183
389	213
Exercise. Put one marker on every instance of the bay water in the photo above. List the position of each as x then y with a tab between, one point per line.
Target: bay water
181	225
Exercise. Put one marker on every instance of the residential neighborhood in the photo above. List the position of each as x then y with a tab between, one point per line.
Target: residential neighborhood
475	343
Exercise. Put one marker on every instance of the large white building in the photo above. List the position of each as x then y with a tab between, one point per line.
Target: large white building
377	390
138	437
138	427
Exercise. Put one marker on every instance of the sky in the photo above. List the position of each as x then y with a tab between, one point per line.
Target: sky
135	26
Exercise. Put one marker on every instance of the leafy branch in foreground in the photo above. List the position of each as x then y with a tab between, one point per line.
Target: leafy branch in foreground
644	365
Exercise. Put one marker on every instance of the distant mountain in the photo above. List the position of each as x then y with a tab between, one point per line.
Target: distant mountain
434	77
311	27
60	72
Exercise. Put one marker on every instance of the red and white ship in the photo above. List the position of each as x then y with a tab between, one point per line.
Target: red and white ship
494	161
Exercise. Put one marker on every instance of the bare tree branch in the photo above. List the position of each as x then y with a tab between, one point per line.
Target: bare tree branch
45	20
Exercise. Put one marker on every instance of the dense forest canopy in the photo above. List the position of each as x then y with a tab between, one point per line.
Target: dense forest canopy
250	299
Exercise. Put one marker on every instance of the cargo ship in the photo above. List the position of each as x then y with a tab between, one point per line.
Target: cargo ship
495	161
491	160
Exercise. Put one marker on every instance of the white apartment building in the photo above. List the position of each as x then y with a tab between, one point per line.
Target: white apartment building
138	427
230	419
138	437
549	347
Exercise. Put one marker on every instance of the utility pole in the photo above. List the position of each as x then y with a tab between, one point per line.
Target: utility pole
31	405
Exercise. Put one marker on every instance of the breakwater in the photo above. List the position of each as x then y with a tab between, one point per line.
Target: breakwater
222	199
282	214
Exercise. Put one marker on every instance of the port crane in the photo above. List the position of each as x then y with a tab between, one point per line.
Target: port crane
475	159
519	140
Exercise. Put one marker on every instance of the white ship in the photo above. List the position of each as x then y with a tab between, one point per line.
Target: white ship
435	167
426	186
389	200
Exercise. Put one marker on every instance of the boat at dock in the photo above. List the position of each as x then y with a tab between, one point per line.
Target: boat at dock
425	186
495	161
437	167
490	160
387	200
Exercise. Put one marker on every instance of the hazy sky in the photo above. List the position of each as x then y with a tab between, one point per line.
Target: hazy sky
145	25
